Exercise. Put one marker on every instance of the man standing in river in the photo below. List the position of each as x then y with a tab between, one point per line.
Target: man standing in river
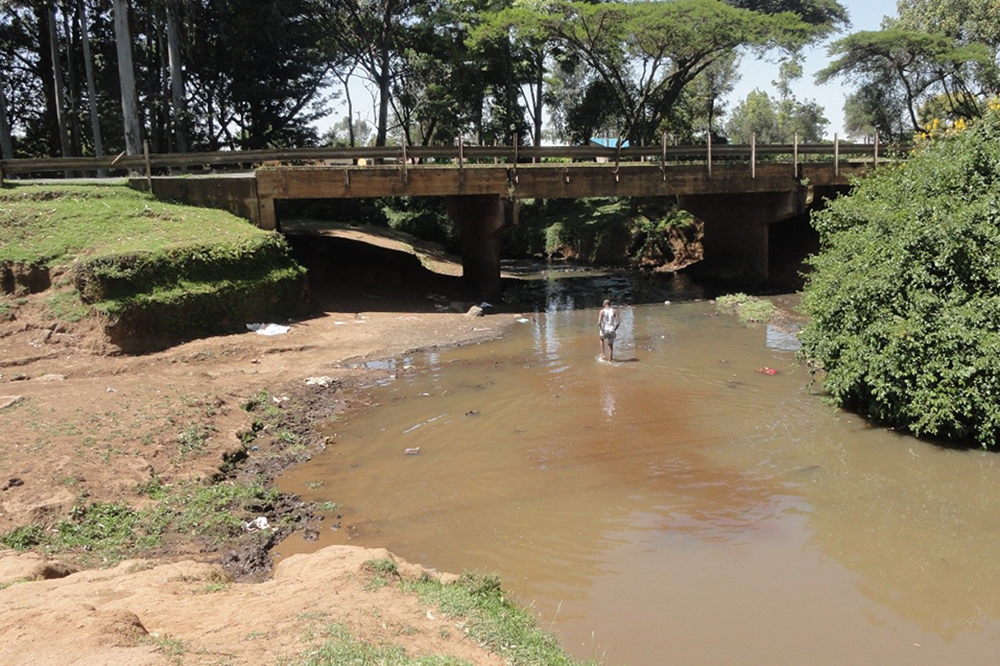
607	324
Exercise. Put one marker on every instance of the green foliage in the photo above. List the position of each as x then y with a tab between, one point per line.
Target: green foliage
492	620
904	299
23	538
750	309
106	533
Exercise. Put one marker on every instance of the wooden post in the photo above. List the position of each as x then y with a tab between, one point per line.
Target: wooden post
149	173
876	149
710	154
1	175
663	159
836	155
404	162
618	156
461	152
753	154
515	157
795	155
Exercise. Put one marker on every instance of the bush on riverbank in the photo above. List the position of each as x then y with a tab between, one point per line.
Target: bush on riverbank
151	269
904	301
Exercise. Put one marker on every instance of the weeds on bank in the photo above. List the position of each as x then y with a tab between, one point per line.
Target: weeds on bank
749	309
106	533
340	647
489	618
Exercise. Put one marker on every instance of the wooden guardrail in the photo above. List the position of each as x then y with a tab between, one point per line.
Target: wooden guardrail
459	155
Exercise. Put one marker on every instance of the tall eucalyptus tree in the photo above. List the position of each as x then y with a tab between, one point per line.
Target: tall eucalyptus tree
126	75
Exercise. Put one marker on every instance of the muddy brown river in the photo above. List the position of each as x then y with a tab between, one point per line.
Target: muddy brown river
678	506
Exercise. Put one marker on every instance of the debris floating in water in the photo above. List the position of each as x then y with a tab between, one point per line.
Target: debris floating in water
767	371
412	451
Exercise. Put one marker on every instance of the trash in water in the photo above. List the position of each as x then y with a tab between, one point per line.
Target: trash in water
523	320
268	329
767	371
484	305
666	302
258	523
412	451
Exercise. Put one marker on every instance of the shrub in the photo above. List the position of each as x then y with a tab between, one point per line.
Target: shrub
904	299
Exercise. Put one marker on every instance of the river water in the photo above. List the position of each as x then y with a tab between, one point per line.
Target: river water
677	506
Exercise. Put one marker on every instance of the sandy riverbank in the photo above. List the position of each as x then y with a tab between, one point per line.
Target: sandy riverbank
82	426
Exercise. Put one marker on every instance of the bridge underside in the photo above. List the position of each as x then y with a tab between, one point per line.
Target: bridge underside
737	206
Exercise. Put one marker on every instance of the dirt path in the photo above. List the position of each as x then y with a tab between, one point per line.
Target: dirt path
79	426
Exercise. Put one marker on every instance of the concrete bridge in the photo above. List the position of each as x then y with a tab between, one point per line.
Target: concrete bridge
736	195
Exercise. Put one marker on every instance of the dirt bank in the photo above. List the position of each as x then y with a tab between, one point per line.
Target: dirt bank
82	425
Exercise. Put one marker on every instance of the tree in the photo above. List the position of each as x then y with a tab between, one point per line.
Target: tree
904	297
372	33
912	66
778	121
646	53
126	74
88	63
6	146
754	115
177	101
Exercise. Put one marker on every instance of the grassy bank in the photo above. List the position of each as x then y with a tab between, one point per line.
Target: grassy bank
148	269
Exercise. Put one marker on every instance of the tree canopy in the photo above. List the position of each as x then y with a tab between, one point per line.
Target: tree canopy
213	74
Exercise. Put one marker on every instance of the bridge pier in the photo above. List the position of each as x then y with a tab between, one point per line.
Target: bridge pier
480	219
737	229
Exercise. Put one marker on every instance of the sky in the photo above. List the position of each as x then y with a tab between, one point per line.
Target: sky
755	73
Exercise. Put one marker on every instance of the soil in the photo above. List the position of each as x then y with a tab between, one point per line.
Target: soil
81	423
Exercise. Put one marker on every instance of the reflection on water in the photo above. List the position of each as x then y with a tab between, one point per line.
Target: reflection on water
677	507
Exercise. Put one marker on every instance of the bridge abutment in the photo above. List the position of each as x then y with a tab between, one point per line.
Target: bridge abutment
480	219
737	229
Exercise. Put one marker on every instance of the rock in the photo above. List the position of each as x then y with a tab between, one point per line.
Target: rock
474	311
14	482
51	377
10	400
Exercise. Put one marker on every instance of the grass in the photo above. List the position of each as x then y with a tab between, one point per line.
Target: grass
106	533
749	309
339	646
55	224
490	619
148	268
475	604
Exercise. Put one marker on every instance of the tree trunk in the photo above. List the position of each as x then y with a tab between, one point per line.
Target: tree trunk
6	146
539	82
57	81
177	111
74	89
126	75
45	75
88	65
383	99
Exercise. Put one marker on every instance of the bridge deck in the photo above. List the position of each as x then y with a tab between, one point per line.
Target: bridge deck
545	181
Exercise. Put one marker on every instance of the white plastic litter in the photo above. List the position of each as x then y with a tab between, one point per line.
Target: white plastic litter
319	381
258	523
268	329
523	320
